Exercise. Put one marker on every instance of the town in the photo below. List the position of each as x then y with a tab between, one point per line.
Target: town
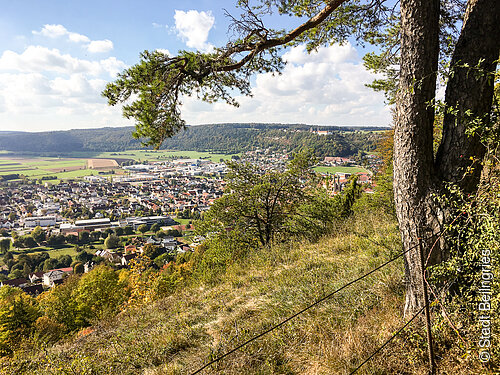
148	209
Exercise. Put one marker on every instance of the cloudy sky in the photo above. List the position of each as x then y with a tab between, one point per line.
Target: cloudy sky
56	56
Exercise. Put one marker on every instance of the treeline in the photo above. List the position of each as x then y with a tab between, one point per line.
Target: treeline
223	138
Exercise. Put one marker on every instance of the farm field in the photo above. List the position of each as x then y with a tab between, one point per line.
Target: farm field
340	170
37	167
74	165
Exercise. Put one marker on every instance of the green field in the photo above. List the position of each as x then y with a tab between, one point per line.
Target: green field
36	167
53	253
340	170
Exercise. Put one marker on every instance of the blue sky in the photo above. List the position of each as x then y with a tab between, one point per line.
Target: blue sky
57	55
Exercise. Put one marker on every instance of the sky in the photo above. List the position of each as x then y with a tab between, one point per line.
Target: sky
56	57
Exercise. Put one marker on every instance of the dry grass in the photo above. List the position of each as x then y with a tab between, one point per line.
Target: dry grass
101	163
180	333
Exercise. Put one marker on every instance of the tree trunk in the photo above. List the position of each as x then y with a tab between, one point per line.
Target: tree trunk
416	175
413	155
469	89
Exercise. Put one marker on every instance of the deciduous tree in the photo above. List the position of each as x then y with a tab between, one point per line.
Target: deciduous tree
18	312
260	204
112	242
4	245
38	234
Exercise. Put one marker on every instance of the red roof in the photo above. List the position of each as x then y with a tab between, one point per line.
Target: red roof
66	269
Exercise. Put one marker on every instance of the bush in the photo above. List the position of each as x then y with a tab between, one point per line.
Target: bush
47	330
83	257
50	264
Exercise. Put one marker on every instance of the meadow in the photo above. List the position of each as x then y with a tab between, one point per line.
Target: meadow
54	252
340	170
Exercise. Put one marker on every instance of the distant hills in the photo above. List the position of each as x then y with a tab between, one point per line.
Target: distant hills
223	138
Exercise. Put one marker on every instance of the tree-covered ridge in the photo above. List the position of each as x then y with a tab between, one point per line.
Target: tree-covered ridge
224	138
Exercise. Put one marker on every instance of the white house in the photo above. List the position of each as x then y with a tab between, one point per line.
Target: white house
50	277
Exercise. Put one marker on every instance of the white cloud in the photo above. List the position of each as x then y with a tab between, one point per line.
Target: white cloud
44	87
32	101
324	87
112	66
193	27
52	31
100	46
164	51
42	59
78	38
57	31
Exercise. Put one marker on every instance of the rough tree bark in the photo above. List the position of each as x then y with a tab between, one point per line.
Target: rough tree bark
417	175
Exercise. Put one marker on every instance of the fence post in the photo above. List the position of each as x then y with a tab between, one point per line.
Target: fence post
430	349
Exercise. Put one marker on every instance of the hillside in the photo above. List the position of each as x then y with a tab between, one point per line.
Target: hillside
223	138
204	319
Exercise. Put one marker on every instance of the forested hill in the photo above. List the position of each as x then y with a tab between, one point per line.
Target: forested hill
225	138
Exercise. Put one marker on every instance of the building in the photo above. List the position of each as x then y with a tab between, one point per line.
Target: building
19	283
55	276
135	222
85	225
42	221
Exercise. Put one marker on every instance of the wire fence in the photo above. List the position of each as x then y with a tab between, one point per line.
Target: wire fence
389	340
437	236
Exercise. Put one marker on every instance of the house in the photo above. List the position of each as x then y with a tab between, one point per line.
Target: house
87	267
19	283
36	277
110	256
54	277
50	277
127	258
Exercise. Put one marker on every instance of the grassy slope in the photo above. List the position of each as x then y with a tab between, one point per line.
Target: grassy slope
180	333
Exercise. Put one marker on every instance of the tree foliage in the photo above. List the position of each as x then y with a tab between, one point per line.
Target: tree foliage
258	204
80	301
38	235
112	242
4	245
18	313
99	294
